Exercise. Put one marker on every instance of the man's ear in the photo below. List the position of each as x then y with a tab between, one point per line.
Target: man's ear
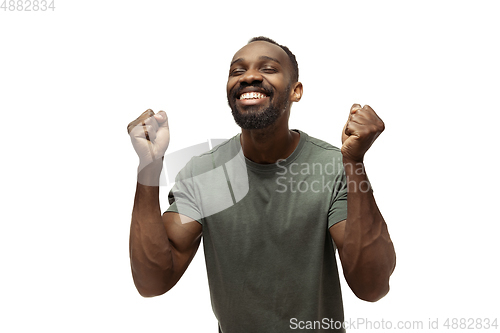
297	92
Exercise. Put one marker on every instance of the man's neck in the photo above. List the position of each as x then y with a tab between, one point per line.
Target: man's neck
268	145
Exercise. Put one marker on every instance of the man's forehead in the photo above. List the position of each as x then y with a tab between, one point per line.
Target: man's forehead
259	49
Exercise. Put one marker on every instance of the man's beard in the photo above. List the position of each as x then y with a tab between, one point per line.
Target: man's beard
254	117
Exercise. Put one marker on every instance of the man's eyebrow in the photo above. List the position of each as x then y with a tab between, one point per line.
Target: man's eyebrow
269	58
237	60
261	58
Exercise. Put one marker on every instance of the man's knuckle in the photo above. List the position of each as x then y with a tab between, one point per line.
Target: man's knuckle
380	125
363	131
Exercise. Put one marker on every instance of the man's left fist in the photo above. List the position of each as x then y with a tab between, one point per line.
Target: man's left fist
360	131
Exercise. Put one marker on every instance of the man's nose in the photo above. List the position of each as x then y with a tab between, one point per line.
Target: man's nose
250	76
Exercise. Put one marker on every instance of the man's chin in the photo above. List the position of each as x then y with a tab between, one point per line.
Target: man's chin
259	119
250	109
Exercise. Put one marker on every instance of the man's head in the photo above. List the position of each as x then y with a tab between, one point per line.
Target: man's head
262	83
294	69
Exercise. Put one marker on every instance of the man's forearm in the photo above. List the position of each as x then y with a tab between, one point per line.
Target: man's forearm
368	255
150	253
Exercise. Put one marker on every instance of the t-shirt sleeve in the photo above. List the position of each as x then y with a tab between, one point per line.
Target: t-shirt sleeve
201	189
338	204
182	196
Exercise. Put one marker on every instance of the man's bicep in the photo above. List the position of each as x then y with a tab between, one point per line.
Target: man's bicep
337	232
183	232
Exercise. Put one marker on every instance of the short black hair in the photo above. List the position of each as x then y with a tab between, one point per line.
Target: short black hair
291	56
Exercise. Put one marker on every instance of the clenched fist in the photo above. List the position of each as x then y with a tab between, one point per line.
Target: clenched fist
360	131
150	136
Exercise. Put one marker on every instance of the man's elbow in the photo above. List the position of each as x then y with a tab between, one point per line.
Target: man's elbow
373	293
374	285
369	287
149	287
148	292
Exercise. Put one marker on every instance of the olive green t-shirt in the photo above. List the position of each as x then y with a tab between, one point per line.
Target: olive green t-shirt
270	258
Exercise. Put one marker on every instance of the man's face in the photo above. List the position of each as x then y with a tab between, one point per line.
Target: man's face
258	87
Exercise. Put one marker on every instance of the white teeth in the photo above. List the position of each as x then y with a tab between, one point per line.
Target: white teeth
252	95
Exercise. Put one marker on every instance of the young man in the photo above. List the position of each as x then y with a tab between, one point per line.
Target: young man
268	203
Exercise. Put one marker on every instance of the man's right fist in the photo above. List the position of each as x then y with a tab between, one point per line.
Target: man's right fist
150	136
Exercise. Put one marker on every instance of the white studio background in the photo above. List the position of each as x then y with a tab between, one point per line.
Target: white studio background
71	79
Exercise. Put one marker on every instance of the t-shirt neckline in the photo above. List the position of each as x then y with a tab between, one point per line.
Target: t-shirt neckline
280	163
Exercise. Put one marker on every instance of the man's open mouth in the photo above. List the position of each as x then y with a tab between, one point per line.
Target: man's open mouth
252	95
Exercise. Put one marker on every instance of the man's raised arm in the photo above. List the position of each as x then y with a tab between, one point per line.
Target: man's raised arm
365	247
161	248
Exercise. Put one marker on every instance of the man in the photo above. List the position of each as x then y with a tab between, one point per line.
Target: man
268	203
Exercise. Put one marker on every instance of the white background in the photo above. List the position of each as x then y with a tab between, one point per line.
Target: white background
73	78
